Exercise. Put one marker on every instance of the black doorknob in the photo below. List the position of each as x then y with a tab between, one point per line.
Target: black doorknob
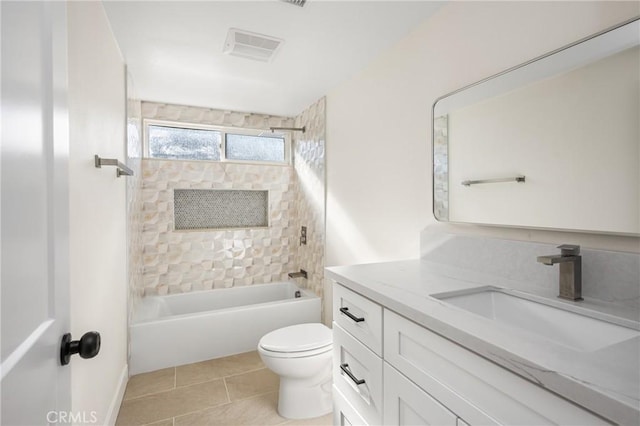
88	346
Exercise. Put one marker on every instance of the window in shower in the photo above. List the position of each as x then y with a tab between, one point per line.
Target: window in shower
184	141
255	148
181	143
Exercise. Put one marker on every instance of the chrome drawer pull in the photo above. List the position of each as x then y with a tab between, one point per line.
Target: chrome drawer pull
350	315
345	368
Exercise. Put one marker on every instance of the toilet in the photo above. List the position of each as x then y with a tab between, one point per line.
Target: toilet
301	355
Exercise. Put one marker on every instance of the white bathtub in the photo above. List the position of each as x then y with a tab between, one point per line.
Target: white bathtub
185	328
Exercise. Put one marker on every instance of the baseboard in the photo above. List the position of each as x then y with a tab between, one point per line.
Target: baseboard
114	407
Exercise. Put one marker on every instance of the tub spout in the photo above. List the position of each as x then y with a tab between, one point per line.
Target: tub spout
301	274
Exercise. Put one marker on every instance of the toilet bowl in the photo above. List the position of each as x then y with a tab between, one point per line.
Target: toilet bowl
301	355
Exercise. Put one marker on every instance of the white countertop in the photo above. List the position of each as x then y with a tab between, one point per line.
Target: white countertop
606	381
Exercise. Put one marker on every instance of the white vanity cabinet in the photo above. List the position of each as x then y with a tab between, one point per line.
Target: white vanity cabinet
357	353
400	373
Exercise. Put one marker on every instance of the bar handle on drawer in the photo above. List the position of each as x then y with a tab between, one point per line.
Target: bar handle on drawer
350	315
345	368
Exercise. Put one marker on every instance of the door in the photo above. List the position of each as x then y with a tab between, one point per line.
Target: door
34	213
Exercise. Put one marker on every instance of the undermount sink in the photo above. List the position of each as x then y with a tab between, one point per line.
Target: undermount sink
564	327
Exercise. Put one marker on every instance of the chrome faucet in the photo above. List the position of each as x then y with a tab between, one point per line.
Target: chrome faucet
570	270
301	274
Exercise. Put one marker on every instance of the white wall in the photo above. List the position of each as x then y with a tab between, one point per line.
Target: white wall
97	203
379	125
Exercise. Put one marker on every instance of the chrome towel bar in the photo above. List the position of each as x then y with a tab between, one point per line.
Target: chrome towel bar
519	179
123	170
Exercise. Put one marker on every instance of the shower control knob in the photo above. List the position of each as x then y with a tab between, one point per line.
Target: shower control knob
88	346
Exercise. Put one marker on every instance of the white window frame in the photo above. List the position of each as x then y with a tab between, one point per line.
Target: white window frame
222	129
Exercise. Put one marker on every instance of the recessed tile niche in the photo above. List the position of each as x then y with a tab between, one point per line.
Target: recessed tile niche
220	209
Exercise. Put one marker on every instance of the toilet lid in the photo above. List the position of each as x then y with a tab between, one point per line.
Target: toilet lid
297	338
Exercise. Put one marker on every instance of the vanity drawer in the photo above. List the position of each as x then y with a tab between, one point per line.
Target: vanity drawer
359	316
352	357
407	404
343	413
499	396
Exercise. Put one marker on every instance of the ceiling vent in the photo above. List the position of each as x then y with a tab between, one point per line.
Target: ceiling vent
295	2
251	45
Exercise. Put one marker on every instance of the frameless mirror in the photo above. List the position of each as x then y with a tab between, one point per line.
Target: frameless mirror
553	143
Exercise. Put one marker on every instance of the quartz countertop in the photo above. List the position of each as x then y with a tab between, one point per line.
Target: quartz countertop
605	381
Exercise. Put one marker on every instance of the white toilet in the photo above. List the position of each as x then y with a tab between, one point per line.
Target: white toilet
301	356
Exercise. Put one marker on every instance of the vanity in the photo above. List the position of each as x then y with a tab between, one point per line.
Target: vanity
487	331
427	342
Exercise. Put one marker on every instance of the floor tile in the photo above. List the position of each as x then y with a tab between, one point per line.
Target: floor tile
167	422
216	368
326	420
164	405
258	410
148	383
252	383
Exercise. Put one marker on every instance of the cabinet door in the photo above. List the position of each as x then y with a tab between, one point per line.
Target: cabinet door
357	373
407	404
343	413
478	390
358	315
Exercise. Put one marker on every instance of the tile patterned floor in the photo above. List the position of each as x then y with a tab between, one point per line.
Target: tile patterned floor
235	390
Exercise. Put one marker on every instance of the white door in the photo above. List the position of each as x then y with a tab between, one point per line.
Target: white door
34	213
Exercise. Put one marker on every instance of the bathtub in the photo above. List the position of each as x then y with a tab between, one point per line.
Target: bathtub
185	328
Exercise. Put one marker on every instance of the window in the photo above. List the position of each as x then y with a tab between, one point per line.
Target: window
181	141
254	148
183	144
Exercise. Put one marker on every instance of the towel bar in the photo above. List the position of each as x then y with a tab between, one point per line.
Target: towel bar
122	170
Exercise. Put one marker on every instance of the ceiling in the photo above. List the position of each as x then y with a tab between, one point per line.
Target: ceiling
173	49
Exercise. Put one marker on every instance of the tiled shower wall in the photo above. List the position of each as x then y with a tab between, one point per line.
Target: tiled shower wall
180	261
214	117
309	198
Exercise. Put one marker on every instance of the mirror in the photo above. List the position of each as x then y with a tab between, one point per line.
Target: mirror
553	143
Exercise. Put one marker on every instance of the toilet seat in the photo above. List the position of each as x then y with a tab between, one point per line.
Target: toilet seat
297	341
303	354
